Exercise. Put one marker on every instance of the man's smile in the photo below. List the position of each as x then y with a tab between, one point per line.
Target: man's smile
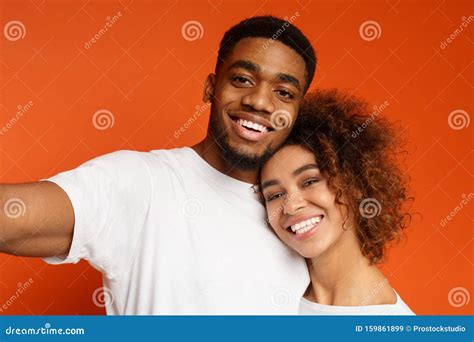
250	127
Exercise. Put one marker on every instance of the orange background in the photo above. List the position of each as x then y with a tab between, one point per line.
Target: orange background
150	77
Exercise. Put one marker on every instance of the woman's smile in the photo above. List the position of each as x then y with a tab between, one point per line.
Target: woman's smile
304	228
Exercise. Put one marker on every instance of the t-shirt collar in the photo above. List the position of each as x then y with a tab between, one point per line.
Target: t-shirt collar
235	185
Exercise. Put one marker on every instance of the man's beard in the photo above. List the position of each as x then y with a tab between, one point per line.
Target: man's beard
234	158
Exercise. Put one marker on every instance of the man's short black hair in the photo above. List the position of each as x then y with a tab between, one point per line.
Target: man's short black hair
272	28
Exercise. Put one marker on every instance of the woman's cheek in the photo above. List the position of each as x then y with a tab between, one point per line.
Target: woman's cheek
325	197
272	215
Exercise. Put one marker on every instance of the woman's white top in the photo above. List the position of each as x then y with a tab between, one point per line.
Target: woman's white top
399	308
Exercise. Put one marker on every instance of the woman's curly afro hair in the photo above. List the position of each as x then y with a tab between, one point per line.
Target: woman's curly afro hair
357	152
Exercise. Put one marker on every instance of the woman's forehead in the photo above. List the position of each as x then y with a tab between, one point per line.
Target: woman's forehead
287	160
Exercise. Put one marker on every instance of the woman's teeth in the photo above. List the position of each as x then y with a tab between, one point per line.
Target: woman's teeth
304	226
304	230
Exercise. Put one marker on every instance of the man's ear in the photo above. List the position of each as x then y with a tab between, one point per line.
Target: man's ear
209	88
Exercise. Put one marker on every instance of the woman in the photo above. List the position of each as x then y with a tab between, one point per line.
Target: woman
333	192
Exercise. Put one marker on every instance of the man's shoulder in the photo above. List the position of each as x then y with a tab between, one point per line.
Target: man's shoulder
157	165
177	152
127	156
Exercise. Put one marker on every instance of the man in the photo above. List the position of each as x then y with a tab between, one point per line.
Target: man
181	231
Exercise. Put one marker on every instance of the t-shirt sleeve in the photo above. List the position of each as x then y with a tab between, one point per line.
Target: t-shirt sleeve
110	196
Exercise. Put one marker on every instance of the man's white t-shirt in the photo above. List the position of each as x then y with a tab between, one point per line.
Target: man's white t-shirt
172	235
399	308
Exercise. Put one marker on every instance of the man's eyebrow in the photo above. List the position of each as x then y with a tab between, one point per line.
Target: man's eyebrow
245	64
252	67
298	171
289	79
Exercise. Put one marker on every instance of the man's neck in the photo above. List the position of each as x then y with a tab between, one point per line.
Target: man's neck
210	152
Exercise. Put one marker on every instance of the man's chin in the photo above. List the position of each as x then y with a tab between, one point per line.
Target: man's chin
238	154
245	159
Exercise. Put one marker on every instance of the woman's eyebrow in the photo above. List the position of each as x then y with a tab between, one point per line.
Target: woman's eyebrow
268	183
295	173
304	168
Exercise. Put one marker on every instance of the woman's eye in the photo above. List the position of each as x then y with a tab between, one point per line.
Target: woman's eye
285	94
274	196
310	181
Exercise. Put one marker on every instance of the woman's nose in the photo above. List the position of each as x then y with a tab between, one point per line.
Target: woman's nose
293	203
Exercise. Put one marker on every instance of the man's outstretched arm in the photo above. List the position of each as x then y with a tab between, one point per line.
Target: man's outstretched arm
36	219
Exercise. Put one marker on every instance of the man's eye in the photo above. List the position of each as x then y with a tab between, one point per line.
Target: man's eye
285	94
242	80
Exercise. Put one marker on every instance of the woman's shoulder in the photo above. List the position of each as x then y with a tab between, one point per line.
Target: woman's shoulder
401	308
386	296
390	301
393	304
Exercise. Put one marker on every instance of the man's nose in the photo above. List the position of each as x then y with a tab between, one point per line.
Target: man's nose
260	99
293	203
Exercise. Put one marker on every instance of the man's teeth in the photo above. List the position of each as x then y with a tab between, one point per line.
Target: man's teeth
253	125
304	226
